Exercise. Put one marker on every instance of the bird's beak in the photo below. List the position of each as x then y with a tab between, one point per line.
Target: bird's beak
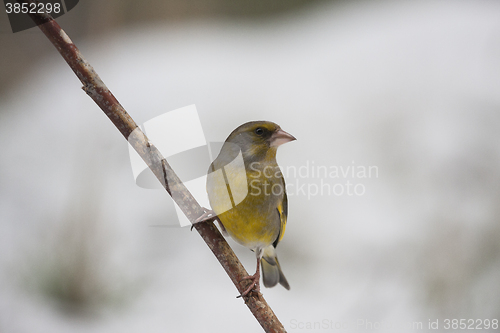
280	137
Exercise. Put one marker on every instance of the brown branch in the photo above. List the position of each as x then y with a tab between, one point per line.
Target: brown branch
101	95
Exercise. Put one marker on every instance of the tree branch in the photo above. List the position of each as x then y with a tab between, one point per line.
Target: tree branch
103	97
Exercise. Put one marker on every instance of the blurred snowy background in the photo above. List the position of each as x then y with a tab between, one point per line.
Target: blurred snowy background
409	87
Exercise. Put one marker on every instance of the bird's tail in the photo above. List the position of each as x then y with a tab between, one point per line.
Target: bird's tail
271	270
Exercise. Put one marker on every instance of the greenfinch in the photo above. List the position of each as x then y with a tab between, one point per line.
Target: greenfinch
246	190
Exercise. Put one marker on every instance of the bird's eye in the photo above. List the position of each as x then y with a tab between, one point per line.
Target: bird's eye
259	131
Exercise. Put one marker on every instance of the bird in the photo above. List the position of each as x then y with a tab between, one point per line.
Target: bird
246	191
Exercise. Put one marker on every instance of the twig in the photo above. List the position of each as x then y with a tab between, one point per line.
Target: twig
101	95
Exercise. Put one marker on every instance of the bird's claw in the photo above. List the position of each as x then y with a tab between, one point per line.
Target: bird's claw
208	213
255	283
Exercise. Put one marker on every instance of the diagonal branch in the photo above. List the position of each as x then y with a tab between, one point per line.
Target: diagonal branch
103	97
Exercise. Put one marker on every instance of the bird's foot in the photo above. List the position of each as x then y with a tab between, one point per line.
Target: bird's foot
208	214
255	283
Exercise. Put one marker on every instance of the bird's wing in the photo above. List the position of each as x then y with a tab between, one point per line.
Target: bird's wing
283	214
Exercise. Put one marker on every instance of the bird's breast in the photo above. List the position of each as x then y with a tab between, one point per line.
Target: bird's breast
246	200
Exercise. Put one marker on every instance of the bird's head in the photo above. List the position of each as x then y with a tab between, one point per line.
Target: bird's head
259	139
